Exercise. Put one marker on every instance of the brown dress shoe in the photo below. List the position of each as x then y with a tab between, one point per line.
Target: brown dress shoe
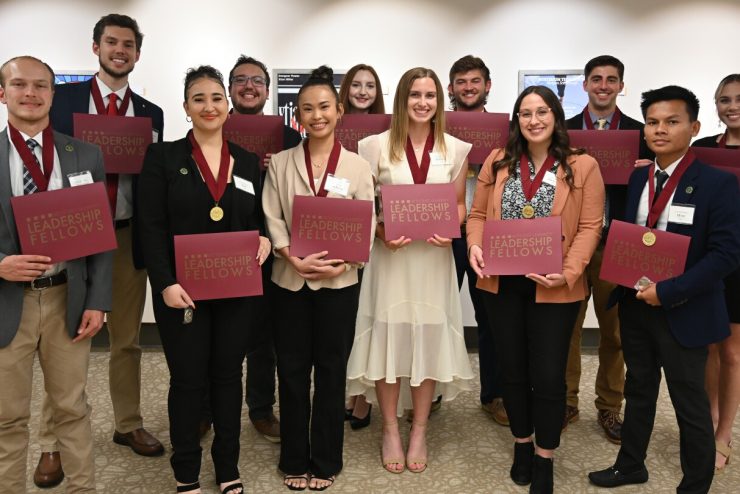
571	415
140	441
497	411
49	471
611	422
269	428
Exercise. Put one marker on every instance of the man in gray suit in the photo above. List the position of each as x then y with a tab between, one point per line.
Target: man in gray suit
48	309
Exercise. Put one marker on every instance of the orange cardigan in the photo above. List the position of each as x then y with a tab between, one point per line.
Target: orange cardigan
581	209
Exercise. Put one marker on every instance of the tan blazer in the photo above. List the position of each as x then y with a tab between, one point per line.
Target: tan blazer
286	178
581	209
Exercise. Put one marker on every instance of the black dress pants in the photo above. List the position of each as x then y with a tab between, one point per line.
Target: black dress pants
207	353
315	331
648	345
532	340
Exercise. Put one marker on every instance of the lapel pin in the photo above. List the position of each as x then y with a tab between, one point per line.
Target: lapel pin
69	148
689	189
184	171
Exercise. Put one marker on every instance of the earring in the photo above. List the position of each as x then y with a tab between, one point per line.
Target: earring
188	119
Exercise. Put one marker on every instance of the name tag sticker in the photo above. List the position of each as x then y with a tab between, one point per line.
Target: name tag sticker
243	184
338	185
682	214
437	158
155	136
81	178
550	179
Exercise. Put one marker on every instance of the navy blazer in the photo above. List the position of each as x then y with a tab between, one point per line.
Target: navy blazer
75	98
694	302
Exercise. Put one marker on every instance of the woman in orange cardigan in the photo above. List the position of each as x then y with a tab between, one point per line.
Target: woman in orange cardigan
532	316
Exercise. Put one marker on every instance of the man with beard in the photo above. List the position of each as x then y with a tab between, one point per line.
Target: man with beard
604	80
117	44
470	83
249	88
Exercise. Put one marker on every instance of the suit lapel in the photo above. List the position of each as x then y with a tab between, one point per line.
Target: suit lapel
299	161
685	190
67	156
561	193
140	109
5	189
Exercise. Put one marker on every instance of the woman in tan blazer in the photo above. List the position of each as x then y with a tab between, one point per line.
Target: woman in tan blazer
317	297
532	316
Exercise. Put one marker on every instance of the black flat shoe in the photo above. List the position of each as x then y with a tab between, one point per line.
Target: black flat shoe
360	423
611	477
521	469
348	413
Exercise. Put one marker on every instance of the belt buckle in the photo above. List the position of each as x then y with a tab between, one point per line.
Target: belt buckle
34	287
46	284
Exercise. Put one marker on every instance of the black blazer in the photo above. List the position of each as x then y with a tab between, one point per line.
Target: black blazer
166	183
694	302
75	98
616	194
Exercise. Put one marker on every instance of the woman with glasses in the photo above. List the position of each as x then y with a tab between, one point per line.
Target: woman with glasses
537	175
200	184
409	344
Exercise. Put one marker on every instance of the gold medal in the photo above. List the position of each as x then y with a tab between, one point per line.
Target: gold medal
217	213
528	211
648	238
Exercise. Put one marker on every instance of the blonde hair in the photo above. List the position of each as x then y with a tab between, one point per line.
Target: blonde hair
400	118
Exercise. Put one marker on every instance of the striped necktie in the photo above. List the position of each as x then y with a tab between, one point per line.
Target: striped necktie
29	186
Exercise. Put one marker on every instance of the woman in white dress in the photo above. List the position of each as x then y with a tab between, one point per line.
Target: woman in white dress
409	344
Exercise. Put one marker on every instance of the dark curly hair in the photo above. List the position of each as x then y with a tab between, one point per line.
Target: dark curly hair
204	71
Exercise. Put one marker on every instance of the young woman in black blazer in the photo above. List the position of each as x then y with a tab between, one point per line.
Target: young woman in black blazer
209	350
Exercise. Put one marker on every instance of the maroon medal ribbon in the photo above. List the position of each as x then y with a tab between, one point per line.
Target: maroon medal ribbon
670	186
613	125
331	166
722	143
98	99
419	173
217	186
530	187
40	178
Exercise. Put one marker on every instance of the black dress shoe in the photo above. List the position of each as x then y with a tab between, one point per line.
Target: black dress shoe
611	477
521	469
541	476
360	423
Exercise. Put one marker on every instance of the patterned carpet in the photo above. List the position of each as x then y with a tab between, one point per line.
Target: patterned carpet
469	453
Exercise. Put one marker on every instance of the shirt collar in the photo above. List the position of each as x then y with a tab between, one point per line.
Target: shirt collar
670	168
105	90
594	118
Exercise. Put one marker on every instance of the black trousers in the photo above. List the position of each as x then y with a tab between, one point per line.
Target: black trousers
205	354
532	340
260	388
490	369
648	345
315	331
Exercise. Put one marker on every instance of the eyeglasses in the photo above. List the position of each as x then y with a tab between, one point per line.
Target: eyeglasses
242	80
540	113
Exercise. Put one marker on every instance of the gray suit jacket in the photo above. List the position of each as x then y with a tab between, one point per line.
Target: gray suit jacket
89	282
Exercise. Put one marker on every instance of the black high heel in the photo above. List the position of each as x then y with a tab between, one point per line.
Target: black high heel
360	423
348	413
188	487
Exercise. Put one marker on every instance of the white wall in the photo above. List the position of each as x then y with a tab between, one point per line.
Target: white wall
661	42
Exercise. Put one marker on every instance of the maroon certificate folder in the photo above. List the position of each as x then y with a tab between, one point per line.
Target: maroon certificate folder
419	211
627	258
123	140
614	150
485	131
218	265
341	226
718	156
66	223
514	247
354	128
260	134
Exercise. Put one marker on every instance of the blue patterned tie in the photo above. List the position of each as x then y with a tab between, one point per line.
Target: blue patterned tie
29	186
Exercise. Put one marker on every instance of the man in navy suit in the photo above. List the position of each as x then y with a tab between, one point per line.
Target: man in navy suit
117	44
669	324
48	310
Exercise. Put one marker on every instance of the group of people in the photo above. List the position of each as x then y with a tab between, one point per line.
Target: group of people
393	336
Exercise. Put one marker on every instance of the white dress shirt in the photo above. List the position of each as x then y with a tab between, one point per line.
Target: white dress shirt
643	208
